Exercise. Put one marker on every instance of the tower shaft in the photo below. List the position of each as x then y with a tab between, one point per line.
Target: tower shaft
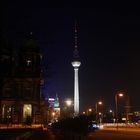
76	92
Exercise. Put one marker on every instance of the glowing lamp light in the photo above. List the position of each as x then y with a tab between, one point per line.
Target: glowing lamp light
100	103
53	113
120	94
84	112
68	102
100	113
89	109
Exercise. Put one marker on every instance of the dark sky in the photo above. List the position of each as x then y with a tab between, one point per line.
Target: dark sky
108	41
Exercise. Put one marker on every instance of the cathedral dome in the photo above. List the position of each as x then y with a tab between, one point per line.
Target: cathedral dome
30	44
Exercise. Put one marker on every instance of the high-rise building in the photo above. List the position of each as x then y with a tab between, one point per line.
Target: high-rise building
76	64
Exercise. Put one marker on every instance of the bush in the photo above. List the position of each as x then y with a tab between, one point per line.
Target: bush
78	124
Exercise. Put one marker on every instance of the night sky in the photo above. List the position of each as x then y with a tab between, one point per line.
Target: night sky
108	41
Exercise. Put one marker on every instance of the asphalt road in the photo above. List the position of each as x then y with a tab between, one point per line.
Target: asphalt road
99	135
113	135
39	135
57	135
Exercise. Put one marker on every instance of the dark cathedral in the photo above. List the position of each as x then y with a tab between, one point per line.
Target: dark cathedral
21	82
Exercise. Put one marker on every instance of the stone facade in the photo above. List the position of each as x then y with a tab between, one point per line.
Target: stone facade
21	99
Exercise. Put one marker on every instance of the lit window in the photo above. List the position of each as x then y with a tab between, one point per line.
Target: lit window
29	62
3	111
27	110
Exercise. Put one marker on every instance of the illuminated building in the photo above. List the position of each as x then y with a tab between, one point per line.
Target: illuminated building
76	64
57	107
54	108
51	102
21	98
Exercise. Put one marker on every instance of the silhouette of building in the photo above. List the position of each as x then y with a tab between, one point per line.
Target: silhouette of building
21	99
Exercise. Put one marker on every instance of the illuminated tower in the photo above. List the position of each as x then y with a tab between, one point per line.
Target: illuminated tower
76	64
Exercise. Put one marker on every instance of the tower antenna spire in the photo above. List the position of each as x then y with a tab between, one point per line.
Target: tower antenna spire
75	53
75	31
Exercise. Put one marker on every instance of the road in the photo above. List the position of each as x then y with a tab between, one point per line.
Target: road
113	135
38	134
105	134
97	135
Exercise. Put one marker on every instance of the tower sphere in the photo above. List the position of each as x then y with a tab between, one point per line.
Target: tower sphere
76	64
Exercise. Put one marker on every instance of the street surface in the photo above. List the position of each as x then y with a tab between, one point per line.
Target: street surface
113	135
106	134
97	135
38	134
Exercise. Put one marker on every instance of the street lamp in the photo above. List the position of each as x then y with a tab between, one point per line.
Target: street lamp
69	102
96	106
116	103
89	111
112	115
84	113
96	109
127	107
53	116
110	111
68	108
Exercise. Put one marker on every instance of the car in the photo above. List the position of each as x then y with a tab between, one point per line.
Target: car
93	125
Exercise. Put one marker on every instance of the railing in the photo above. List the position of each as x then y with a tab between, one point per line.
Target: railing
10	126
133	125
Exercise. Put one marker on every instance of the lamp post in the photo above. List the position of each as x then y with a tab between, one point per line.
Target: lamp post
84	113
89	111
116	104
96	106
111	112
100	118
127	107
68	103
53	116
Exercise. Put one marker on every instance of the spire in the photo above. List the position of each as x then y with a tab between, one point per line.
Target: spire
75	31
56	96
75	53
30	43
56	102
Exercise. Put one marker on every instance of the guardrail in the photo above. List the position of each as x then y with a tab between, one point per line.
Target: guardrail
133	125
10	126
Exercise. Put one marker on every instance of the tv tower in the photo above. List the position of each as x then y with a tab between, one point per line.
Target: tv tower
76	64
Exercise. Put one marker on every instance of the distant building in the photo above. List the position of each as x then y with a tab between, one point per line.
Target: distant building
137	113
21	79
51	102
54	108
136	116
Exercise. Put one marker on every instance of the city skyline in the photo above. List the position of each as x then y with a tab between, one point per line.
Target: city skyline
108	41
